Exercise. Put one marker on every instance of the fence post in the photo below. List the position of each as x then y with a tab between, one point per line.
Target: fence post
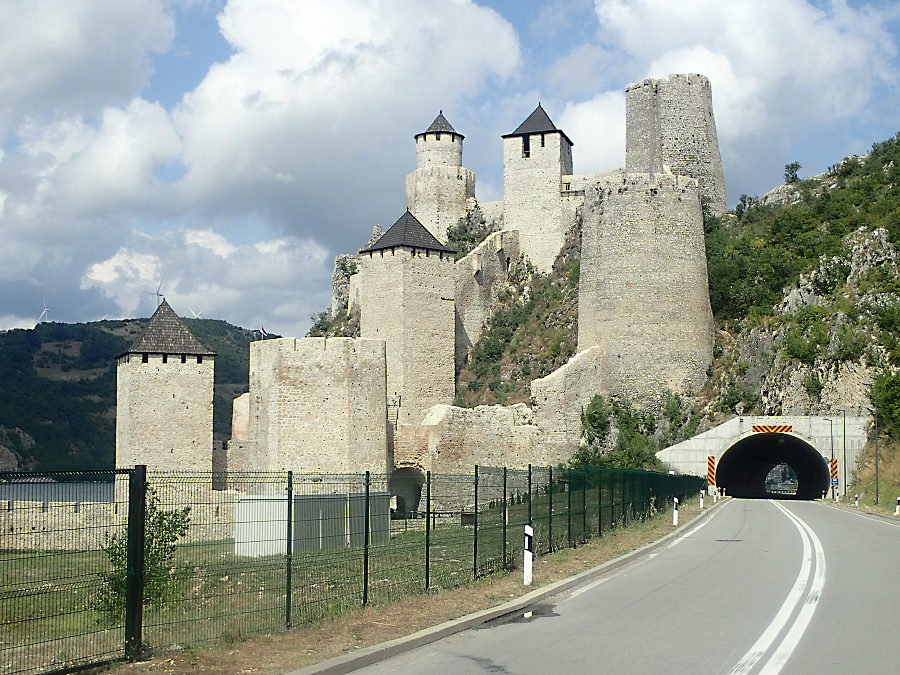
505	516
134	565
569	506
427	530
550	506
584	505
289	549
475	530
366	545
599	474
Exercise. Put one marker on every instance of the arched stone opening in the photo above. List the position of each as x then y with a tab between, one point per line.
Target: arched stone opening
743	467
406	486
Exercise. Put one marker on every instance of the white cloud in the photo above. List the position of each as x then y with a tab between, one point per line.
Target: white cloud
599	126
76	55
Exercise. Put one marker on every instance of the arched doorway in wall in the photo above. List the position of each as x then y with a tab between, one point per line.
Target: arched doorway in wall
406	485
744	469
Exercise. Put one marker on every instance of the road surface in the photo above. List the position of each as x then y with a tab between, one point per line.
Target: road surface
759	587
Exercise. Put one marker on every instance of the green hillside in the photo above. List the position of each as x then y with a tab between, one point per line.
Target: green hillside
58	389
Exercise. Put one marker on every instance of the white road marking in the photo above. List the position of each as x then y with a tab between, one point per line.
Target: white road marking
795	597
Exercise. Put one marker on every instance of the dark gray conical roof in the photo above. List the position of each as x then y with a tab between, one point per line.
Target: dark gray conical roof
408	232
538	122
166	333
440	126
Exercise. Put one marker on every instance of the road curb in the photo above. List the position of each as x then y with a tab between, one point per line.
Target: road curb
347	663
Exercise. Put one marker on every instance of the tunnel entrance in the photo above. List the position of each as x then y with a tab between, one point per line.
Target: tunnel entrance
744	469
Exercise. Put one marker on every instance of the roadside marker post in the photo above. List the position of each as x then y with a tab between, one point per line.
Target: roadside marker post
897	508
675	512
855	500
701	500
528	554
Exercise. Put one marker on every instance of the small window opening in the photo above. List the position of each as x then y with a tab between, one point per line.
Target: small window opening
184	358
526	146
542	140
165	358
199	358
145	358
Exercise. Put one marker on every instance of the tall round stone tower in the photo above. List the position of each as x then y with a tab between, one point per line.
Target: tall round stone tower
406	298
437	192
536	156
669	123
164	398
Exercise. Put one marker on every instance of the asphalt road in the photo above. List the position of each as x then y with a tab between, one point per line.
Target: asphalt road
759	587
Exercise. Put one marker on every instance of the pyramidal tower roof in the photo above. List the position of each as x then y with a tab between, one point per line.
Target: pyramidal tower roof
538	122
407	232
440	126
166	333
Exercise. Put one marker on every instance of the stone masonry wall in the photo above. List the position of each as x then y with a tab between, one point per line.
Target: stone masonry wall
531	193
317	404
438	195
406	298
480	276
643	293
164	412
670	123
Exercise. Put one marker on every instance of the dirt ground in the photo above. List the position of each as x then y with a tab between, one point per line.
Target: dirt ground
303	646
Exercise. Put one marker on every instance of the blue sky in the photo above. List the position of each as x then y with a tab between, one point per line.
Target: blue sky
229	149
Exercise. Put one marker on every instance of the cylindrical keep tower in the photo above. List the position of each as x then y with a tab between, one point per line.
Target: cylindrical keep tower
437	192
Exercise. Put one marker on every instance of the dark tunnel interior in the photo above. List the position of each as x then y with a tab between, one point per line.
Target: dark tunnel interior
743	468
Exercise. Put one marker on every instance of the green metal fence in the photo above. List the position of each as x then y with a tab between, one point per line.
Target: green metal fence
86	578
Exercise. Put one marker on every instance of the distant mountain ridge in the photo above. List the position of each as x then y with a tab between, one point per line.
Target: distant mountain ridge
58	389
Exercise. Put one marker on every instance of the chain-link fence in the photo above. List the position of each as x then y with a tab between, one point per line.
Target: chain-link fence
101	566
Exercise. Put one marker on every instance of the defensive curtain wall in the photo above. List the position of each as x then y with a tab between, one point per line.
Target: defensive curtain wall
745	449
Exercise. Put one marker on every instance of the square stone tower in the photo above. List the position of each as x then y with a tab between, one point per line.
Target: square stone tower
437	192
536	156
164	398
406	298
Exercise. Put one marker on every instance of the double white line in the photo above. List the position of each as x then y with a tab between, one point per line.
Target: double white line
813	560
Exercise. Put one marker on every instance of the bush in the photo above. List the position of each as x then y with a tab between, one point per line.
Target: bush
162	582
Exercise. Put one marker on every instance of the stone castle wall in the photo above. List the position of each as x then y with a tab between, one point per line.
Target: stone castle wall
480	277
532	183
670	123
316	404
406	298
643	293
438	196
164	411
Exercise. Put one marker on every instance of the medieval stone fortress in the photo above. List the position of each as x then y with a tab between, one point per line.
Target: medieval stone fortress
383	402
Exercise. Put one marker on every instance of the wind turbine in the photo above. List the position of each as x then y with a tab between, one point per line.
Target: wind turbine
45	313
159	295
196	314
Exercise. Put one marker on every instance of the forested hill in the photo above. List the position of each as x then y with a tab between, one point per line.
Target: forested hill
58	389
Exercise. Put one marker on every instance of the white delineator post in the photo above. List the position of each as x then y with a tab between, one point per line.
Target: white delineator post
701	500
528	554
897	508
675	511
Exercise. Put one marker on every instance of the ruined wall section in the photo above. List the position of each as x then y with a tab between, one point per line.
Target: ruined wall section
532	186
406	298
670	123
317	404
560	397
643	292
164	411
438	191
480	278
453	440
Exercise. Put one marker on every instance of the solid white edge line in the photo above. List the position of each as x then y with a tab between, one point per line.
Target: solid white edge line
795	595
777	661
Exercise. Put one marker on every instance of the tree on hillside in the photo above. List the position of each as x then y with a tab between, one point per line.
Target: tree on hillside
790	172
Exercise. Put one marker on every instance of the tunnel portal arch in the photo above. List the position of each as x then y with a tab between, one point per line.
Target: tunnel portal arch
743	467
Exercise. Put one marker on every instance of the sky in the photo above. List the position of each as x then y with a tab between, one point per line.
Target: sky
222	152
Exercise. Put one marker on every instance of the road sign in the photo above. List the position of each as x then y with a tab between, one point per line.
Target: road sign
834	481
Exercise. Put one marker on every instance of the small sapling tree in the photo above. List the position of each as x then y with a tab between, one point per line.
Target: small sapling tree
162	581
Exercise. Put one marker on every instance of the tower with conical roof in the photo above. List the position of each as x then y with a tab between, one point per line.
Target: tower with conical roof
536	157
164	398
437	192
406	298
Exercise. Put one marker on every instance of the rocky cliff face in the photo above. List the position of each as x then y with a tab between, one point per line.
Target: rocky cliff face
824	343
